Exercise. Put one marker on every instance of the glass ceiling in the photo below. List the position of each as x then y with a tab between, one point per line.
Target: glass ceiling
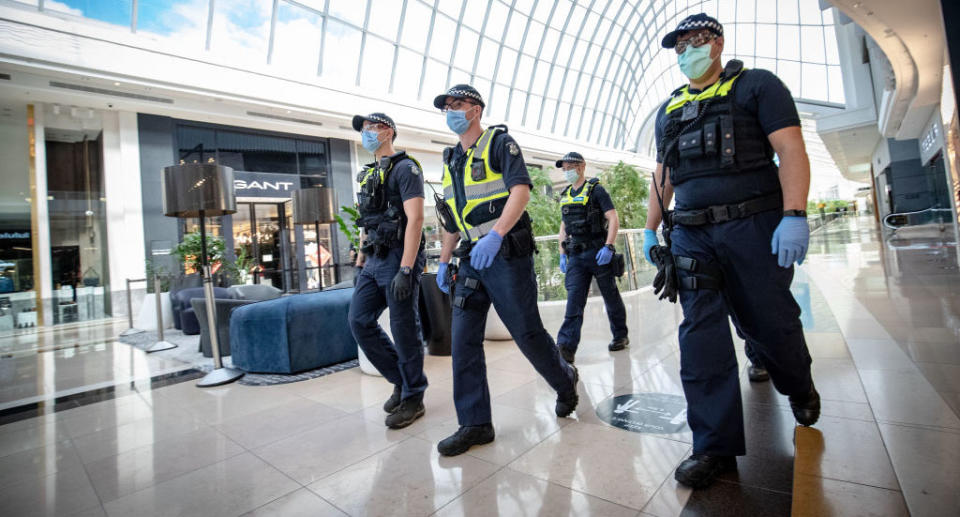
590	70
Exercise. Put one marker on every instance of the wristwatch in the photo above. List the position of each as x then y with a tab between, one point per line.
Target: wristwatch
795	213
405	270
611	247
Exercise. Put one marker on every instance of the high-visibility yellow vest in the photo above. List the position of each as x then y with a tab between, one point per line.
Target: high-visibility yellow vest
683	95
483	187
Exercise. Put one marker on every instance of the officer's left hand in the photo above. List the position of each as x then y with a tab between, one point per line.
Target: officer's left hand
402	285
790	241
485	250
604	256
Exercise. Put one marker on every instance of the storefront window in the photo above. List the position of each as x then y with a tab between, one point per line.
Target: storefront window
77	215
17	296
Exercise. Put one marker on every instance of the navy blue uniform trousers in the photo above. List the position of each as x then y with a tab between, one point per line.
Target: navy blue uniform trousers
510	285
401	361
756	292
581	267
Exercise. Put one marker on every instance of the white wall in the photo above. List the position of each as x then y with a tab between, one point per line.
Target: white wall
121	175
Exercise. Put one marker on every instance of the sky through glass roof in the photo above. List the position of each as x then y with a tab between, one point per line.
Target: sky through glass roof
590	70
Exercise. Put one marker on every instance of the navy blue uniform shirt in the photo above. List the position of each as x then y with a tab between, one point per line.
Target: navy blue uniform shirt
762	94
406	178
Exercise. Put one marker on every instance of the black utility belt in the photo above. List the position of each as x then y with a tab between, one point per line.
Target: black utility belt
578	246
517	243
723	213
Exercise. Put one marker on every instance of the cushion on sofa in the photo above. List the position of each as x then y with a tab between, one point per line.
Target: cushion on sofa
293	333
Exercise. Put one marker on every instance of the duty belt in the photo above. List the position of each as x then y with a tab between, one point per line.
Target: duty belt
579	246
723	213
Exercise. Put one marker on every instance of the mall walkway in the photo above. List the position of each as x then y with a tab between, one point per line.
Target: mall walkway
882	326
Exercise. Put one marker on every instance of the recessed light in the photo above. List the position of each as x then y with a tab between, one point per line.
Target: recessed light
116	84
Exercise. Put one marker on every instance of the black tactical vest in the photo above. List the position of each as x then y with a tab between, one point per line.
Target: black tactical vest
707	134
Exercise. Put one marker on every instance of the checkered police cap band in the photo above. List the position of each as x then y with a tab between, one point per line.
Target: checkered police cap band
692	25
376	117
459	91
464	93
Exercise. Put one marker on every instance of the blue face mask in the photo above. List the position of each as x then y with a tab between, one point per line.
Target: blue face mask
457	121
695	61
370	140
571	175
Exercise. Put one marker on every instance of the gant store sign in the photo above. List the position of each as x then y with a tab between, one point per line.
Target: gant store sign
262	184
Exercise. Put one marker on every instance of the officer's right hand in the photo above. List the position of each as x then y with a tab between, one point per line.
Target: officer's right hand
563	263
649	241
442	278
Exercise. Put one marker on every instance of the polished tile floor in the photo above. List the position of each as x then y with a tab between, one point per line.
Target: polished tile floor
888	443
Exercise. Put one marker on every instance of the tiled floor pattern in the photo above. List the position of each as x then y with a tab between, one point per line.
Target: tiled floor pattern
887	441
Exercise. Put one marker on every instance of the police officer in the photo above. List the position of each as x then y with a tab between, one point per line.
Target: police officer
390	202
486	188
737	228
587	236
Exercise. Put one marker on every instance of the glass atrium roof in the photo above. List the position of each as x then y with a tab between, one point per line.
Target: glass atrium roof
590	70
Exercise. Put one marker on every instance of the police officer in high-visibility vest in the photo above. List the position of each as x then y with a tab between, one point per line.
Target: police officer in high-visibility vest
486	189
587	236
737	229
390	202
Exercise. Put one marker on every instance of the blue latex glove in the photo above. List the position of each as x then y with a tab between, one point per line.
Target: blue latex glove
563	263
649	241
485	250
790	241
442	278
604	256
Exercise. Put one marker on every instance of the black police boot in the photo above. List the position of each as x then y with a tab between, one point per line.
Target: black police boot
465	437
618	344
699	470
566	354
566	404
757	373
411	408
393	403
806	409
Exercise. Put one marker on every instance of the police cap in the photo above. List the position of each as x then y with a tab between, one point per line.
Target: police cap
692	23
572	157
378	118
458	91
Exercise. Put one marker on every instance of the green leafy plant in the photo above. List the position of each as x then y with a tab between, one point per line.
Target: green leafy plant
240	267
629	192
351	230
543	208
188	251
163	273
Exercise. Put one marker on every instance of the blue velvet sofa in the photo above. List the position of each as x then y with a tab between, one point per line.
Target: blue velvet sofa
293	333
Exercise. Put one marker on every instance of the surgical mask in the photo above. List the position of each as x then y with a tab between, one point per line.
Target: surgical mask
370	140
457	121
695	61
571	175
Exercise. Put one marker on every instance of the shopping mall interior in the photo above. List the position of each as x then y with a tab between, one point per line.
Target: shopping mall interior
136	381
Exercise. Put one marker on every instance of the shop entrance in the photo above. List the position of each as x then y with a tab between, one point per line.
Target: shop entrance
261	242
